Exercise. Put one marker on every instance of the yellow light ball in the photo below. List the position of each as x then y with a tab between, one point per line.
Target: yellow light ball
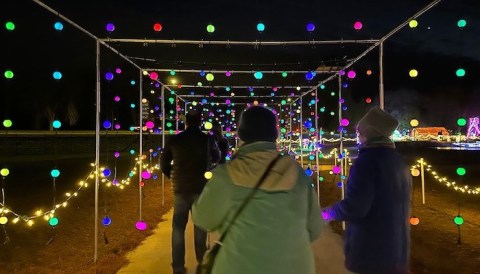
415	172
414	122
208	175
4	172
413	23
3	220
255	103
208	125
413	73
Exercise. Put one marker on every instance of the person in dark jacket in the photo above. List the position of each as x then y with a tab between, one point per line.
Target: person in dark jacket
377	201
192	152
221	142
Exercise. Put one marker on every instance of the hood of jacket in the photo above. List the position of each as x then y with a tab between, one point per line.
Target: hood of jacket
252	160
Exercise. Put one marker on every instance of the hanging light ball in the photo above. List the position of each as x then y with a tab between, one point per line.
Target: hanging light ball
461	171
109	76
210	77
228	73
462	23
107	124
414	220
8	74
10	26
7	123
351	74
336	169
458	220
106	221
146	175
208	125
153	75
56	124
368	100
107	172
149	124
413	73
157	27
110	27
202	73
258	75
415	172
461	122
3	220
344	122
210	28
309	172
413	23
4	172
260	27
141	225
55	173
208	175
414	122
53	221
310	75
284	74
358	25
460	72
58	26
310	27
57	75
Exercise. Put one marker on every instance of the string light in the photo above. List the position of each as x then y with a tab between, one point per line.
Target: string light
443	180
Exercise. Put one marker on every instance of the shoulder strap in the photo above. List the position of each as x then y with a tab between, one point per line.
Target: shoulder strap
249	197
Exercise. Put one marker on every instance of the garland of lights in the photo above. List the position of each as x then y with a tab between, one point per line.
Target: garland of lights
444	180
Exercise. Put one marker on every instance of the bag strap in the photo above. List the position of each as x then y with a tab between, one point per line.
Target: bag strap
249	197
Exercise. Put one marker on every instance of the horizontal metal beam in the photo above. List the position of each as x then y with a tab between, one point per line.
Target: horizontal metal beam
230	43
241	71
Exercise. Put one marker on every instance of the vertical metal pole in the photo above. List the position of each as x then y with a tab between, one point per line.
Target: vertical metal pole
140	150
341	137
163	139
316	148
290	113
422	172
176	113
300	122
97	151
381	91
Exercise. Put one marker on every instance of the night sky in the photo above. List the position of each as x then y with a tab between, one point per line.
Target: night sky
436	48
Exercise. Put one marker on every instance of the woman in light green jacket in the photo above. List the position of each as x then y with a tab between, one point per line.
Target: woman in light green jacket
274	231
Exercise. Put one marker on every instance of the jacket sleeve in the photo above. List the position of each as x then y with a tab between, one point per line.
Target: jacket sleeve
165	159
214	150
211	208
314	221
359	193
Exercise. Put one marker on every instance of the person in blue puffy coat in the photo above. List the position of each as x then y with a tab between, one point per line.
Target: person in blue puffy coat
377	201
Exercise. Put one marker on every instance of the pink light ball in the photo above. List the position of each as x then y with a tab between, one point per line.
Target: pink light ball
345	122
117	126
153	75
146	175
116	154
358	25
351	74
141	225
149	124
336	169
118	70
117	98
228	73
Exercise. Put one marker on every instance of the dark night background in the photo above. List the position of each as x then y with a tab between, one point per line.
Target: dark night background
436	48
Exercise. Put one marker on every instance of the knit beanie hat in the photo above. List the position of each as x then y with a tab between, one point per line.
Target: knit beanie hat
257	124
377	123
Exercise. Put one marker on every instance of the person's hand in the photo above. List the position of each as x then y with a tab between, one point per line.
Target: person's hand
327	215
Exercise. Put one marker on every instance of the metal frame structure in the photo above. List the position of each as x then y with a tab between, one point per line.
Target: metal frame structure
105	42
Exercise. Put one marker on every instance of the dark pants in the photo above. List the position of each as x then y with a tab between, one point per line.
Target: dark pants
182	206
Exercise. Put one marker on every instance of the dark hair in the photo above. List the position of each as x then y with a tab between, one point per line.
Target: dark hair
193	118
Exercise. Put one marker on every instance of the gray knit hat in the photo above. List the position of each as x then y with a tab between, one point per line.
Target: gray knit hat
258	124
377	123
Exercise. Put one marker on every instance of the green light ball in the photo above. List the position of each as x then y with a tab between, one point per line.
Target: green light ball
458	220
4	172
53	221
210	77
210	28
461	171
10	26
7	123
172	72
8	74
284	74
461	122
460	72
461	23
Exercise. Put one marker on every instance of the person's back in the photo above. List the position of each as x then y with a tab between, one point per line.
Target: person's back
377	201
379	241
190	160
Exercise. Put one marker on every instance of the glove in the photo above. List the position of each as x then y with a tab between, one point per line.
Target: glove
327	215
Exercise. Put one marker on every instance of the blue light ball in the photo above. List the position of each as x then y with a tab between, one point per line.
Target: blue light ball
107	172
55	173
106	221
58	26
310	27
56	124
57	75
107	124
260	27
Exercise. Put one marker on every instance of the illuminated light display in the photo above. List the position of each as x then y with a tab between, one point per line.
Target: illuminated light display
473	127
